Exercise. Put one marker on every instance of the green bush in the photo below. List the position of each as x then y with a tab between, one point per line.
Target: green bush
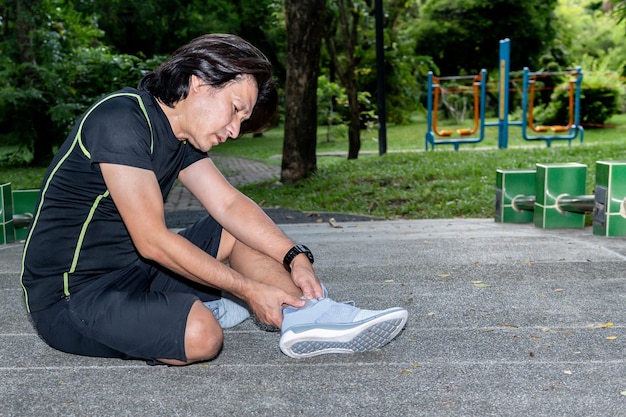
40	98
601	97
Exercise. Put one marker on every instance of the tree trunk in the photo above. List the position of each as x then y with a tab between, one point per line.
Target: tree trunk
23	25
40	122
44	133
354	127
348	23
304	38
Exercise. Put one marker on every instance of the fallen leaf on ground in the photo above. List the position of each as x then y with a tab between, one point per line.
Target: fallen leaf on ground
599	326
611	337
549	330
333	223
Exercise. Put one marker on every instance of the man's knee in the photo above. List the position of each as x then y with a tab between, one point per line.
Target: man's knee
203	334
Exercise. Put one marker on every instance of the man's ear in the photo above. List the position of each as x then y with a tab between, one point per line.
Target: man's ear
194	83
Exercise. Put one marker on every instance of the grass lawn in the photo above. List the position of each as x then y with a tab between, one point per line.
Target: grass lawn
410	138
406	182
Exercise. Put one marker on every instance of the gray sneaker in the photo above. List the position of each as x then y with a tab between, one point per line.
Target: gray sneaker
228	313
270	328
324	326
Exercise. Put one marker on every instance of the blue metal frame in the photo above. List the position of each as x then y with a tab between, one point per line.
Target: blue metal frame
573	130
456	142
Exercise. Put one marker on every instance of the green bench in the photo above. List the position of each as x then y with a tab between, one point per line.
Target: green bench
16	213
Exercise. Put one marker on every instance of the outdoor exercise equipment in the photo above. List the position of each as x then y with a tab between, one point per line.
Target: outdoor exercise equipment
553	196
467	135
567	132
16	212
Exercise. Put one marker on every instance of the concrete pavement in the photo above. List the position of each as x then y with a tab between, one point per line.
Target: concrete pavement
504	320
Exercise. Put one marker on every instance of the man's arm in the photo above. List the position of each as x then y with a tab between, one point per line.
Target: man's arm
137	196
246	221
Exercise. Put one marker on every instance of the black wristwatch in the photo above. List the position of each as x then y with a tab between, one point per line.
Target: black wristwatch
295	251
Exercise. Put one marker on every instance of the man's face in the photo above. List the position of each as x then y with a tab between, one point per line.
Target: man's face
209	116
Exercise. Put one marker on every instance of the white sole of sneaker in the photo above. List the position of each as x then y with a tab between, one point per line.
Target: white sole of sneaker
306	340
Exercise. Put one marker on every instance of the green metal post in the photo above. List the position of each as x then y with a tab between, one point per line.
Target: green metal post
512	184
554	182
609	216
7	229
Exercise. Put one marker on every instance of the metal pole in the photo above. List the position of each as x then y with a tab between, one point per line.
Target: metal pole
567	203
576	203
22	220
380	78
503	92
524	203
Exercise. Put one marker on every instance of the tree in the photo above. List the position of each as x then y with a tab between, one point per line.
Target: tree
32	43
152	27
462	36
404	71
604	36
53	66
304	23
617	8
158	27
347	24
23	104
351	56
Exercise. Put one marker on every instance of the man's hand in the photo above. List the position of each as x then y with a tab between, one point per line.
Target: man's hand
266	302
304	277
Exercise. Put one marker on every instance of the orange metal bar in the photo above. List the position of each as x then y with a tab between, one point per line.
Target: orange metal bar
467	132
555	128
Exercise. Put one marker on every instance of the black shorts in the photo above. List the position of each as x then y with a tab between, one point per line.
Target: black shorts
139	312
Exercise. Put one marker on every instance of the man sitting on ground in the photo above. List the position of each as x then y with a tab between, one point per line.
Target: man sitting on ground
103	275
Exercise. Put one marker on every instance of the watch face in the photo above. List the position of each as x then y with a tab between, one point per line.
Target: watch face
306	251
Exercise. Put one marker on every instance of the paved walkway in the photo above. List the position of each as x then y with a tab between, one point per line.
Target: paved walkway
504	320
238	171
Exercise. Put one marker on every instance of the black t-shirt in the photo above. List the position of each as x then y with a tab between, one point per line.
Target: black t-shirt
77	233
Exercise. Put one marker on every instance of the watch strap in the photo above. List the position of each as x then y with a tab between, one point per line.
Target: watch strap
295	251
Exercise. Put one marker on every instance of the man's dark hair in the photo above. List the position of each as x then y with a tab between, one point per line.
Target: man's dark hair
217	59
